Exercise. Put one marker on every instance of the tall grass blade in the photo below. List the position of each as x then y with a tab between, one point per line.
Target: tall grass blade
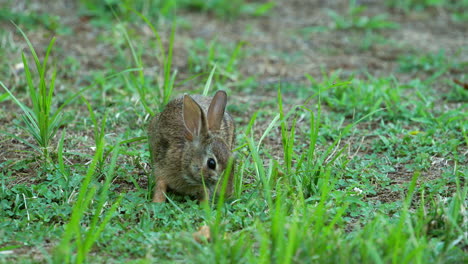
208	81
61	164
168	79
260	170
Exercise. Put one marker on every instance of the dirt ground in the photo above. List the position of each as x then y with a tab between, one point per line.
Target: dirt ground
280	45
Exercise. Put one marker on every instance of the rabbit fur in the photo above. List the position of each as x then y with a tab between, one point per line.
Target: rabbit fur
190	144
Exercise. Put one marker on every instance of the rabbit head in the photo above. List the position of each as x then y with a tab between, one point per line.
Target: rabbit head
207	153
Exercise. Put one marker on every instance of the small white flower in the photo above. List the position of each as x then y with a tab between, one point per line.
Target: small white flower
357	190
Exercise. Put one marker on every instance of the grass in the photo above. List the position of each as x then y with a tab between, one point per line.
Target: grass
100	11
40	121
454	8
347	166
354	18
77	242
49	21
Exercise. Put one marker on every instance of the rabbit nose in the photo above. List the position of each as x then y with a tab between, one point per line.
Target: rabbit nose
214	177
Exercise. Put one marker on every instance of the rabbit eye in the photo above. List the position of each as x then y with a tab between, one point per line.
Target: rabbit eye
211	163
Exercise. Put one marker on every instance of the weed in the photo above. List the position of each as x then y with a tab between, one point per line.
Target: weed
360	97
202	56
354	19
455	8
164	89
101	11
229	9
84	240
23	19
426	62
40	121
458	93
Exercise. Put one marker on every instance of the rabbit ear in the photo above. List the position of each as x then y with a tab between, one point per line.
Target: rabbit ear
194	118
216	110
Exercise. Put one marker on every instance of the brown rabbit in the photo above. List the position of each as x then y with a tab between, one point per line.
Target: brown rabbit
190	143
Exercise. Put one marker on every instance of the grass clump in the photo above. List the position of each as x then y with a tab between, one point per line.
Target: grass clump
167	9
41	121
77	241
355	19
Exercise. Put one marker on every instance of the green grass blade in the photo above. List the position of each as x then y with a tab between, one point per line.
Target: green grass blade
168	84
61	163
260	170
26	110
155	32
22	141
31	86
208	81
31	47
92	234
267	130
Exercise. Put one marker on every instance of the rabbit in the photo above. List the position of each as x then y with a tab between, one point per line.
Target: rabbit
190	144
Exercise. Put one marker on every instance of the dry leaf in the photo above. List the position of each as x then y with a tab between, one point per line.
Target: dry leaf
462	84
415	132
203	234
